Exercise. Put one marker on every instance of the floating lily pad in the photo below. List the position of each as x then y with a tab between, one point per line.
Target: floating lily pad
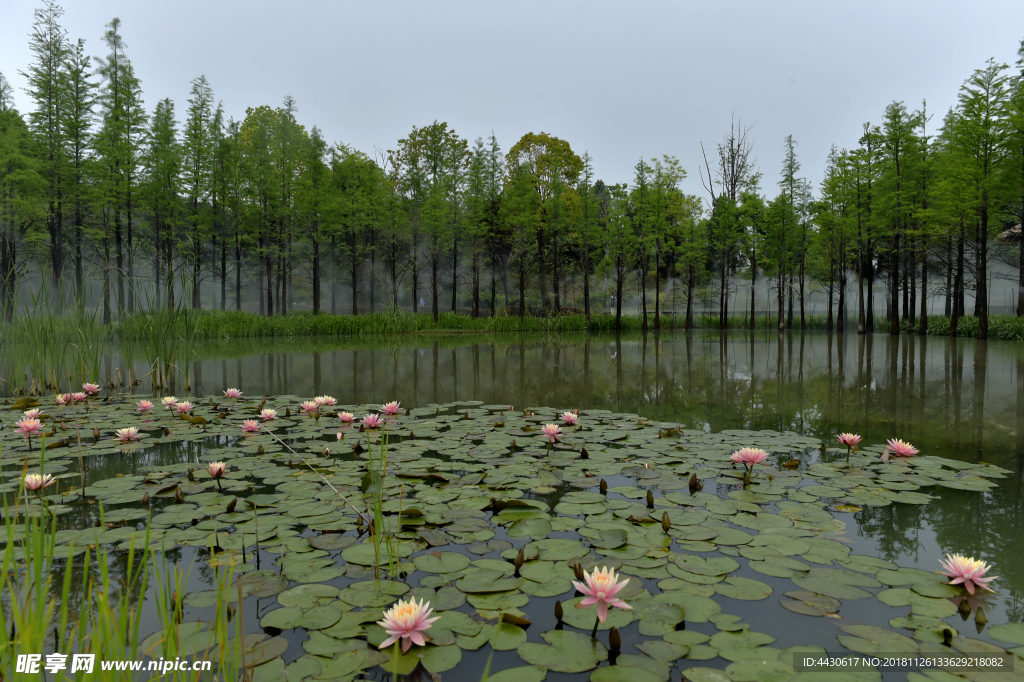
565	652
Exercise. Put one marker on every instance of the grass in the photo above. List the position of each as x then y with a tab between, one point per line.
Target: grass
1003	327
62	601
212	324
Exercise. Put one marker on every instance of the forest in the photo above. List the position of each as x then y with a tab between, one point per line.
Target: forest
133	206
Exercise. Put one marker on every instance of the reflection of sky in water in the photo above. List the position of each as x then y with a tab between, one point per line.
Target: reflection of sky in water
953	399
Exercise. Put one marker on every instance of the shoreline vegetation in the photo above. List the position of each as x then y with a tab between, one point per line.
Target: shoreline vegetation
205	324
45	352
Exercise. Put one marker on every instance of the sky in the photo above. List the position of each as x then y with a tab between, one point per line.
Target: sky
620	80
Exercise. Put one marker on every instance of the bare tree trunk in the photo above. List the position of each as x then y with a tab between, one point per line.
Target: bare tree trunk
923	330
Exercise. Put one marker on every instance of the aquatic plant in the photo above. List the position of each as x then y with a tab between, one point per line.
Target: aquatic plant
144	406
127	435
900	448
372	421
600	587
850	440
233	393
407	621
570	418
250	426
552	433
967	571
37	482
390	409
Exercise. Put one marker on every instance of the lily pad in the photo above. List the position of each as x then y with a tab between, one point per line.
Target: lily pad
565	652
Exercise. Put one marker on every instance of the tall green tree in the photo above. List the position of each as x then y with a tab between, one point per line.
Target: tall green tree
78	117
198	155
47	86
162	195
978	139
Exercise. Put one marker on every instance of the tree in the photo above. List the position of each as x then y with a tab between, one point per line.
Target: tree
47	85
978	139
198	158
20	183
552	166
161	192
77	114
519	210
1015	164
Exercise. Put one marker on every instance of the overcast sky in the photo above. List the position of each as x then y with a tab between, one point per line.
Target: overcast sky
618	79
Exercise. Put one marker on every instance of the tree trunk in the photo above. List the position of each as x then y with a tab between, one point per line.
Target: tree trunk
958	284
586	276
949	275
923	330
316	274
894	287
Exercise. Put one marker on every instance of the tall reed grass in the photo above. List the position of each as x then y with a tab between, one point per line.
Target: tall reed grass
1003	327
59	600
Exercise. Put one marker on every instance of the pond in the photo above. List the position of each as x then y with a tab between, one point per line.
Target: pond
724	576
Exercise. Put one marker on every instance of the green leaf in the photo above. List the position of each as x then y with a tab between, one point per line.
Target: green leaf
441	562
565	652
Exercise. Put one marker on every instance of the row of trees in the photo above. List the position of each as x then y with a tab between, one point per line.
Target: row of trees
95	186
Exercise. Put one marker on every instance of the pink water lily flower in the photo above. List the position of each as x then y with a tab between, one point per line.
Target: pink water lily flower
127	435
34	413
346	417
967	571
341	436
144	406
391	408
91	389
36	482
250	426
325	400
268	415
233	393
28	426
62	399
850	440
309	407
373	421
570	418
78	396
184	407
216	469
900	448
749	456
552	432
168	402
407	621
601	588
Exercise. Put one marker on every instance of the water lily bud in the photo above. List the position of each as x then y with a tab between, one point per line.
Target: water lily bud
979	616
666	523
614	639
179	496
191	476
965	607
584	454
603	487
650	500
96	433
145	498
261	450
231	504
578	570
558	610
520	559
